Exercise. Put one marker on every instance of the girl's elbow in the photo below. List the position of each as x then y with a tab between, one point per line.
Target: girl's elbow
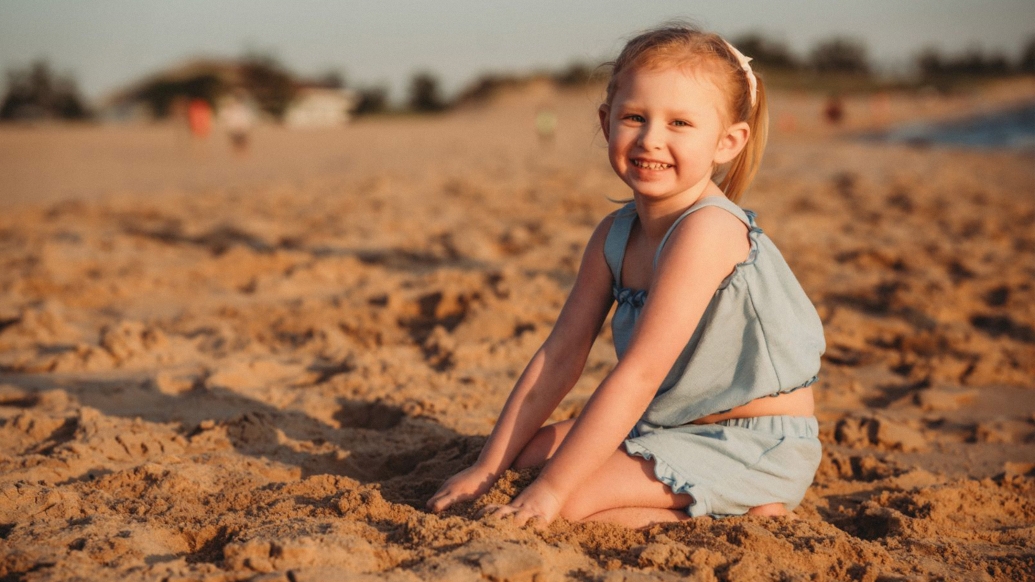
640	379
561	358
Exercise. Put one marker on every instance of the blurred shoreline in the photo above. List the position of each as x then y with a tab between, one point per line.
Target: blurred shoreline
1011	128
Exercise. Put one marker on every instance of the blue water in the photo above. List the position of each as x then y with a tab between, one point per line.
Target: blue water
1010	129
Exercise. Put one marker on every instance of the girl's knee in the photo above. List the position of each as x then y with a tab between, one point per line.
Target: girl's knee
575	511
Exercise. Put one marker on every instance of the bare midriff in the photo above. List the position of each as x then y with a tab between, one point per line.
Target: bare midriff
797	403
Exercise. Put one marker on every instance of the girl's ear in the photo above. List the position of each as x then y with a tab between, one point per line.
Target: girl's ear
732	142
605	120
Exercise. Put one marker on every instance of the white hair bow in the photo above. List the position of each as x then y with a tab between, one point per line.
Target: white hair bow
744	64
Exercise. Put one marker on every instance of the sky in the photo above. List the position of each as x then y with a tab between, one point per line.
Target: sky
108	44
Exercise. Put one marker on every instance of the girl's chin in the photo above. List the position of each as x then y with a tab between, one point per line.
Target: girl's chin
650	181
652	194
656	185
659	191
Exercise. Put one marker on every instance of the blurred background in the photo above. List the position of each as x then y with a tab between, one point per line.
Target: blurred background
228	73
119	60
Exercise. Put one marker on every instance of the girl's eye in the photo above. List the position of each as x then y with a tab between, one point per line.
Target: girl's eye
636	118
681	123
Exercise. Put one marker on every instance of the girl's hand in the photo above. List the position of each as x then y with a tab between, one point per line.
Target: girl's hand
468	484
536	502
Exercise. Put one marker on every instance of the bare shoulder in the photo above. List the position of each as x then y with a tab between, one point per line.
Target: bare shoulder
714	219
606	222
710	232
596	240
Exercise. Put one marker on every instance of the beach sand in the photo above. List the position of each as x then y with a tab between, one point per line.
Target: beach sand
260	368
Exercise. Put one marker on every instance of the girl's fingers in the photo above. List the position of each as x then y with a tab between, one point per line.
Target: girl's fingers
491	509
535	521
524	517
441	501
520	517
438	501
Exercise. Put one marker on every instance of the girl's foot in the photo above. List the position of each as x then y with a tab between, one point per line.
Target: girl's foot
772	510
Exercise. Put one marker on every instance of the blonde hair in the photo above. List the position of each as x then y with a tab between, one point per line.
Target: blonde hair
685	46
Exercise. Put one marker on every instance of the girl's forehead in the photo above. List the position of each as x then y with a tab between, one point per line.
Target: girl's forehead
700	71
697	79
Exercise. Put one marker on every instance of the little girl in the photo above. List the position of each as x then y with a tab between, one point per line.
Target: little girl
709	409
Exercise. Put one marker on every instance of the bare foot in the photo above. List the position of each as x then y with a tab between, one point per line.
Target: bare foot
772	510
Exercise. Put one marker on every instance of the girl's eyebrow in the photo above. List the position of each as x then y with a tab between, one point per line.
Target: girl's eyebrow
675	114
638	105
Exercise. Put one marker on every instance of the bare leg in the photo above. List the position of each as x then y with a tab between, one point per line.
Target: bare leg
639	517
624	490
549	438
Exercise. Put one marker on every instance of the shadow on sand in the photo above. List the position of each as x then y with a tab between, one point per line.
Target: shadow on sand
373	442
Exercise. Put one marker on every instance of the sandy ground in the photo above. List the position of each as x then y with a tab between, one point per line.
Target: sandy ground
259	368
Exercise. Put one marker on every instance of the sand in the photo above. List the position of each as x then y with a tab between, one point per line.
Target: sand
259	368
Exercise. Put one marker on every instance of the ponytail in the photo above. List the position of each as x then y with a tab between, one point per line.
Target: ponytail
741	171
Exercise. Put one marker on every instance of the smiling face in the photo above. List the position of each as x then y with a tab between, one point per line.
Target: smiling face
667	130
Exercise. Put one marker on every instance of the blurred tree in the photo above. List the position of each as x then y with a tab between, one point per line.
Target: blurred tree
371	100
332	80
160	94
272	86
930	63
973	63
768	53
36	93
485	87
424	93
574	74
840	55
1026	64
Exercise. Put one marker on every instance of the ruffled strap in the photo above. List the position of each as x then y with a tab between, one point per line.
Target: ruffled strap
618	238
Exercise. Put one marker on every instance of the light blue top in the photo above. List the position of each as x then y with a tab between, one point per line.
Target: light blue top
759	336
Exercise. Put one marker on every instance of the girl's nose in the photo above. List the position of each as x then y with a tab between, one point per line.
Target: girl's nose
650	136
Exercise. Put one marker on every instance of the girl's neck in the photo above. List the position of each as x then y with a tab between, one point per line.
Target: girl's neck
657	215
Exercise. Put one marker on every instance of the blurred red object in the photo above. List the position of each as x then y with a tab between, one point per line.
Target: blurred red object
199	118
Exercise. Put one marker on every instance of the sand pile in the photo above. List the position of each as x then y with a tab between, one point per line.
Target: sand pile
259	369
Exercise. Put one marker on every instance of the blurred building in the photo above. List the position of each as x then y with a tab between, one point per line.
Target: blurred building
320	107
272	93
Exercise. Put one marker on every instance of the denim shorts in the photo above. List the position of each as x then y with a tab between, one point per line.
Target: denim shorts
731	466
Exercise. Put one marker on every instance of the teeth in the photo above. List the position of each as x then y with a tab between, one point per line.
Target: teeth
651	165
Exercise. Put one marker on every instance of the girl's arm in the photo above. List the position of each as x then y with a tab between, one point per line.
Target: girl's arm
702	251
549	376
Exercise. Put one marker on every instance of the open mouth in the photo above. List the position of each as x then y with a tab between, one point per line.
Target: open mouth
648	165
